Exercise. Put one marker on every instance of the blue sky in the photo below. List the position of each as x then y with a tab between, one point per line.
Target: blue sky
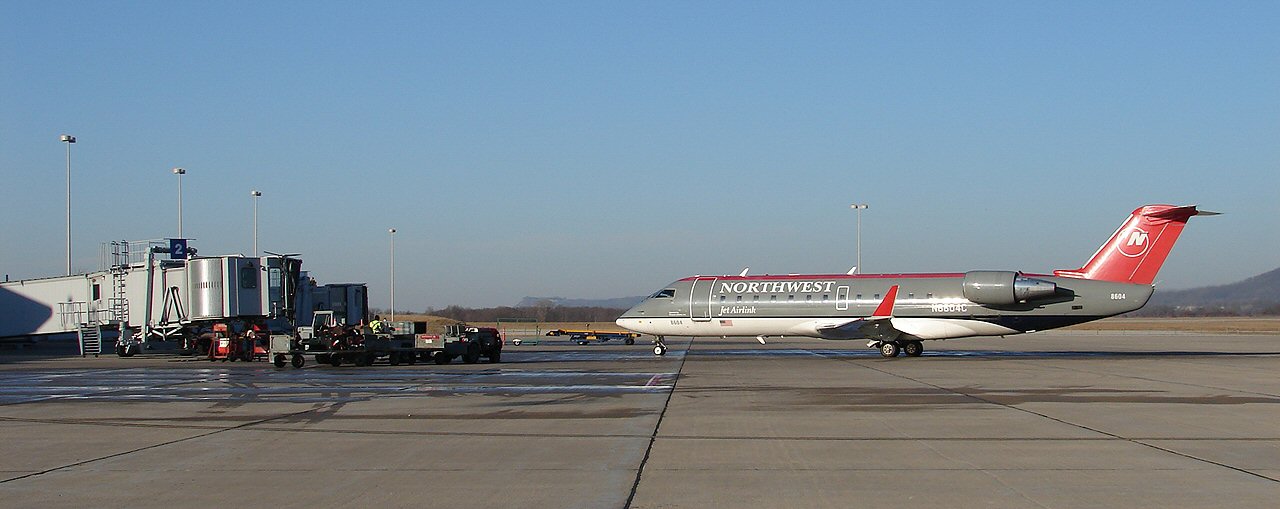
602	149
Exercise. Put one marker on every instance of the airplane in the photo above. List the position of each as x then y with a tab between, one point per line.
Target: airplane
897	312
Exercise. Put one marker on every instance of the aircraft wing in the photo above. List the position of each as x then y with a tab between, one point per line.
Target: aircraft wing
878	326
863	328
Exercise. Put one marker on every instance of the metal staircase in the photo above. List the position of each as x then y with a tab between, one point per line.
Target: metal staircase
90	339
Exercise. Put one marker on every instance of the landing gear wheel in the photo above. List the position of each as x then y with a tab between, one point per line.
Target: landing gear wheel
660	346
630	341
298	360
913	348
279	360
889	349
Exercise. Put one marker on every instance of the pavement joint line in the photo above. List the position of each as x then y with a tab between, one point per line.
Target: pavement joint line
985	471
162	444
1080	426
268	428
658	426
1170	382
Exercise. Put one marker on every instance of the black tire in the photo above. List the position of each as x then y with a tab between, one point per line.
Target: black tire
889	349
279	360
362	360
473	354
913	348
411	357
630	340
298	361
443	358
394	359
495	356
335	360
322	358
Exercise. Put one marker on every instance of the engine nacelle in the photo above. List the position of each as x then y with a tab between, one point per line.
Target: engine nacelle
1002	288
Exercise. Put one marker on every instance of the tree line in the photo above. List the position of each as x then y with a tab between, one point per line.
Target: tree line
541	313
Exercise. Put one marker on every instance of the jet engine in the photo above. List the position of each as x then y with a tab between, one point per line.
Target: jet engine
1002	288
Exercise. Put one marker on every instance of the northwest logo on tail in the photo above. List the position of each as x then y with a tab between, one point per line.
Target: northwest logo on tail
1137	244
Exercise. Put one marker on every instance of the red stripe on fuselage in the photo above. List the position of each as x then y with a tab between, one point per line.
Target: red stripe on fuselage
771	277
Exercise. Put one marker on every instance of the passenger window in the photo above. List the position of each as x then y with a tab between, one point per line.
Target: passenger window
738	299
877	296
929	296
791	297
755	298
825	297
808	297
911	295
721	298
859	297
773	298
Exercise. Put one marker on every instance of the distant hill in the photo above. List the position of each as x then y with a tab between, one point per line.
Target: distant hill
1258	295
616	303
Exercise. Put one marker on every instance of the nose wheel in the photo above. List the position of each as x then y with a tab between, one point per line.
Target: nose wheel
660	346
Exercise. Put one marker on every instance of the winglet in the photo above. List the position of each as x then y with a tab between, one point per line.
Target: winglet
885	309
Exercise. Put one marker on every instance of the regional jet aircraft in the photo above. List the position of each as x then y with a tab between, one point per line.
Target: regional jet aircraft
897	312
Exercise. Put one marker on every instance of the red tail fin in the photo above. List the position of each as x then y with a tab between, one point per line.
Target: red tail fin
1136	251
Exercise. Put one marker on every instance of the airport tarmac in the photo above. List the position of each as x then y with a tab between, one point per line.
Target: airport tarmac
1059	419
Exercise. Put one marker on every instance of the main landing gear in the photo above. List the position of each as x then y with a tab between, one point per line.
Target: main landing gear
660	346
891	349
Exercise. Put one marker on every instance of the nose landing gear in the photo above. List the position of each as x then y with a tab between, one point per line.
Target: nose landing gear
660	346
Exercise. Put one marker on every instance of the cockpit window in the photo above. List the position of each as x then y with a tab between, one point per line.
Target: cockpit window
666	293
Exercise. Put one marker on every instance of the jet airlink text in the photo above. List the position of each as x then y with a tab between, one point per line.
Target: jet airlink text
776	287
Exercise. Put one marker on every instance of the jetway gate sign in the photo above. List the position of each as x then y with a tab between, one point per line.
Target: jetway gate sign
178	249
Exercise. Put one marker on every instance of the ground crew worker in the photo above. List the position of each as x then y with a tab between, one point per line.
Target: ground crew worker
377	325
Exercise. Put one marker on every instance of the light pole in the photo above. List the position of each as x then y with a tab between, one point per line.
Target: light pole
393	273
179	172
859	207
255	194
68	139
